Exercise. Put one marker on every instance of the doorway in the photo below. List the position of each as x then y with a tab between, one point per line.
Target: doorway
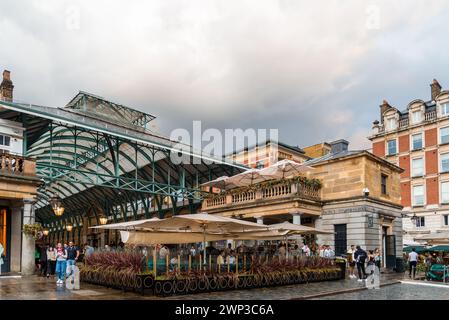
5	239
389	248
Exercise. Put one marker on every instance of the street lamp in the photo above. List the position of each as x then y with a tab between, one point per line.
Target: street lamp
69	227
103	220
57	206
45	232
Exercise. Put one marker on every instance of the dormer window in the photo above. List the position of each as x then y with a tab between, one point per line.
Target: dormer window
445	109
391	123
416	117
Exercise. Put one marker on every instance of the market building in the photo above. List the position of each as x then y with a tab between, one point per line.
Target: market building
416	139
88	163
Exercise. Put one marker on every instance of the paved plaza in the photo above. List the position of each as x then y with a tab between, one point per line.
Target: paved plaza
39	288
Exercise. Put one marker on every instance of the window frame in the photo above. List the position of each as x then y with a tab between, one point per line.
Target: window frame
440	161
440	136
392	120
395	147
420	222
443	107
420	116
382	186
445	220
422	167
423	195
412	145
441	192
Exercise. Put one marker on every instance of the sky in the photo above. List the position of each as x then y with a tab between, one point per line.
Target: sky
315	70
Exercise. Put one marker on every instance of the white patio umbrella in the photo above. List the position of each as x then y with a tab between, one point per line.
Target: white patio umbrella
153	238
292	228
202	223
249	177
285	169
128	225
221	183
438	237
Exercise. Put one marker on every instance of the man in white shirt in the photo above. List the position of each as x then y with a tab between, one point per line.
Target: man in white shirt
412	261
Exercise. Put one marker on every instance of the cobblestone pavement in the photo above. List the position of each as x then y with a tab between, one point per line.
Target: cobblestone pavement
402	291
36	288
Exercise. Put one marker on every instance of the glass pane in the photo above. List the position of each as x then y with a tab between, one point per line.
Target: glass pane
445	162
1	140
444	133
7	141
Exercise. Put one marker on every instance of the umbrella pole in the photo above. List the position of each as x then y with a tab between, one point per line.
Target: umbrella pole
204	244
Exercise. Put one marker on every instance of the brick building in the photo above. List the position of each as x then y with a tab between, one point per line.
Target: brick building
417	140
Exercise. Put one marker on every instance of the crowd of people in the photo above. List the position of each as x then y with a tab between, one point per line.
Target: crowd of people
360	259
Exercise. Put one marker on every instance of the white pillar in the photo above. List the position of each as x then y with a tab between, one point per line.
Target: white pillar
28	243
296	218
16	238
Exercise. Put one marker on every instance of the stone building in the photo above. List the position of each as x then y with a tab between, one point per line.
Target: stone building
417	140
18	189
359	201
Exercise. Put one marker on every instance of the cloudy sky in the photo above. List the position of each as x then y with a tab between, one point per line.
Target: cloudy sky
317	70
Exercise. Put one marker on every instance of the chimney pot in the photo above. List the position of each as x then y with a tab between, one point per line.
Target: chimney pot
435	89
6	87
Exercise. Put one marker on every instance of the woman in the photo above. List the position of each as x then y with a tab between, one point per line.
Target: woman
51	261
61	263
1	257
377	258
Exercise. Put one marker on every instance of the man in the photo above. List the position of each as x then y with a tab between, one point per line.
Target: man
73	254
163	252
412	261
360	257
351	262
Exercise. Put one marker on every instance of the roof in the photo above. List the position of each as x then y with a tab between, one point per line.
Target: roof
284	145
348	154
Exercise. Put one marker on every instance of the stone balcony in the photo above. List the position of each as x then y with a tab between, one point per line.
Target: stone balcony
18	179
278	198
405	123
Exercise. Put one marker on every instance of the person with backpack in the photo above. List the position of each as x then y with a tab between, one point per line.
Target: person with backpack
360	258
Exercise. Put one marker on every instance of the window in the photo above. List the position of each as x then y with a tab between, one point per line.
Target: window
5	140
391	147
340	239
417	167
420	222
418	195
383	183
446	220
391	124
444	162
416	117
445	109
417	141
445	192
444	135
260	164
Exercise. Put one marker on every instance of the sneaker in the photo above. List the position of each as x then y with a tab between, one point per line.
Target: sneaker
359	280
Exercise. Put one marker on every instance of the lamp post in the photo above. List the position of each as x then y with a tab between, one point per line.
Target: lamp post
103	220
57	206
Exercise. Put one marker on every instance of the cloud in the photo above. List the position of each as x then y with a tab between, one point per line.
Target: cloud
315	70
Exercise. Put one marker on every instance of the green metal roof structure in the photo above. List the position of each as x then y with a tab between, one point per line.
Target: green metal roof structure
101	158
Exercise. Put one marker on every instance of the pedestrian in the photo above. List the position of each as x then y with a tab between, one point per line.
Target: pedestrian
192	251
1	257
360	258
51	261
163	252
428	262
61	263
351	261
73	254
306	250
43	260
377	258
412	261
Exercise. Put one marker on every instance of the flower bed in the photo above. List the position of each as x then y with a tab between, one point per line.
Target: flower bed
125	271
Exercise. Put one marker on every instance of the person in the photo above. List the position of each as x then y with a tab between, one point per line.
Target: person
43	260
228	250
51	261
295	251
321	251
192	251
61	260
429	262
282	252
37	256
360	258
306	250
73	254
351	262
1	257
377	258
326	252
231	258
220	258
412	261
88	250
163	252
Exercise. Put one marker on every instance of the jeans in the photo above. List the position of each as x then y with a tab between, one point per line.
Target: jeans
69	270
60	268
412	267
361	270
51	267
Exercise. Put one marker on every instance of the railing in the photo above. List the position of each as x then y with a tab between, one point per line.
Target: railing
273	192
244	196
403	123
16	165
429	116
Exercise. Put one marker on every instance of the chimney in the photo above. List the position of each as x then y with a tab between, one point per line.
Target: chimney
383	107
6	87
339	146
435	89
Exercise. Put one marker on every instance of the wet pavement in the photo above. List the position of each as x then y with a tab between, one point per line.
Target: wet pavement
39	288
